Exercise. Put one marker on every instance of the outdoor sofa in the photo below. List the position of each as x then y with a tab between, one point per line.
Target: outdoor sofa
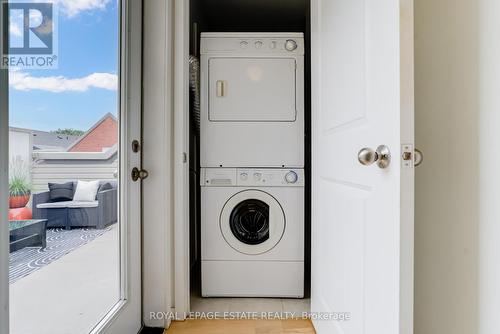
67	214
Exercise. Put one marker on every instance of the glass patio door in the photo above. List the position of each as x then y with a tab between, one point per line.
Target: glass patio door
70	130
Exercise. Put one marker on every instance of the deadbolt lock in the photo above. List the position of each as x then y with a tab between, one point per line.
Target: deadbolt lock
136	146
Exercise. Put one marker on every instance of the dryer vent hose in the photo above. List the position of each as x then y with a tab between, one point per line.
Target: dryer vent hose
194	85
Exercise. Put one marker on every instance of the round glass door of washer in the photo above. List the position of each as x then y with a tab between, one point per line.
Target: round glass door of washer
252	222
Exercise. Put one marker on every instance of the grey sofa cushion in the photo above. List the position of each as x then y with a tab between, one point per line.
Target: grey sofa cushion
60	192
53	205
78	205
68	204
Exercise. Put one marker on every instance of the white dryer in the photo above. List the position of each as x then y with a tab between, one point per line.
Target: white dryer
252	232
252	100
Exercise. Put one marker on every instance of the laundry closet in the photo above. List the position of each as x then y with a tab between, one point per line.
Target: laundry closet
249	156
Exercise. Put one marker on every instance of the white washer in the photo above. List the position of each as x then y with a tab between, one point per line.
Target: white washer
252	232
252	100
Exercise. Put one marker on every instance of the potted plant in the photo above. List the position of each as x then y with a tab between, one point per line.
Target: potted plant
19	185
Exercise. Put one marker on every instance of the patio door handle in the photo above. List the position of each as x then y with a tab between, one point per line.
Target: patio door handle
139	174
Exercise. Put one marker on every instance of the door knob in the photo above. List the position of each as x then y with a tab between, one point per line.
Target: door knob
139	174
382	156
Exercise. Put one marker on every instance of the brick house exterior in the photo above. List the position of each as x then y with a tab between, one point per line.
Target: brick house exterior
104	134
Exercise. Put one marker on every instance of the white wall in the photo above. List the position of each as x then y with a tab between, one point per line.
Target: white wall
458	186
20	145
447	131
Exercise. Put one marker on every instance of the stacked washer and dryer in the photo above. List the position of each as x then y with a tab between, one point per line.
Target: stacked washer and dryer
252	164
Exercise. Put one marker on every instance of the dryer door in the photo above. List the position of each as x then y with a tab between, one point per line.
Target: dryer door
252	222
252	89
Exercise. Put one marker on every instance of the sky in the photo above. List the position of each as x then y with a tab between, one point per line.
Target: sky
84	86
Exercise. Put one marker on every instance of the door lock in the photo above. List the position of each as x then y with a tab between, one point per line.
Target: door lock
136	146
137	174
382	156
411	157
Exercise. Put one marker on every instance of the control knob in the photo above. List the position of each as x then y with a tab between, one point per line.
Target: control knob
291	177
290	45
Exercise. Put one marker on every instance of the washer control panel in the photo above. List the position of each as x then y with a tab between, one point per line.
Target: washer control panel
248	177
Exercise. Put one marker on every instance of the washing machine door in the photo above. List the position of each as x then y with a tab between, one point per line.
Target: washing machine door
252	222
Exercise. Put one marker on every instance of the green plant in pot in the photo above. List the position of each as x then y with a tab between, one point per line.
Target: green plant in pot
19	184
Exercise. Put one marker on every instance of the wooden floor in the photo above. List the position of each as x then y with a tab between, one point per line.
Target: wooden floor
220	326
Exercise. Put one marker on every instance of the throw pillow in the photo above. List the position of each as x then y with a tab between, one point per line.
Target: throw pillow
59	192
86	191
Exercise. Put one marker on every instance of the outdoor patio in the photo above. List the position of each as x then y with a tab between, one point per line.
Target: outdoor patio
68	287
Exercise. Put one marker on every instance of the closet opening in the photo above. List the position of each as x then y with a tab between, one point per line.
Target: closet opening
249	156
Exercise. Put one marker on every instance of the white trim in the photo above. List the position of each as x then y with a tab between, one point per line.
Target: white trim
157	150
181	167
105	155
4	189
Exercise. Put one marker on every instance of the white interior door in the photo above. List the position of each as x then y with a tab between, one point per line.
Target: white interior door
362	216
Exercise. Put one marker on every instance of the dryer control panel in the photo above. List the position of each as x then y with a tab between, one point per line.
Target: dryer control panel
249	177
253	43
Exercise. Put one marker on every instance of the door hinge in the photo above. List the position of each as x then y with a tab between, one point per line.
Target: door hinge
184	157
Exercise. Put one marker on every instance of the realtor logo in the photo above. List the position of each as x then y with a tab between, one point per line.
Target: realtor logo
31	41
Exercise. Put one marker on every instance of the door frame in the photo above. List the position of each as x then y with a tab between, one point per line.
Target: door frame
165	112
4	189
180	134
182	279
157	153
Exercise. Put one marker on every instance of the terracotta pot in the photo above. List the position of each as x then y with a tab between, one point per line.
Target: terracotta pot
20	214
19	201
